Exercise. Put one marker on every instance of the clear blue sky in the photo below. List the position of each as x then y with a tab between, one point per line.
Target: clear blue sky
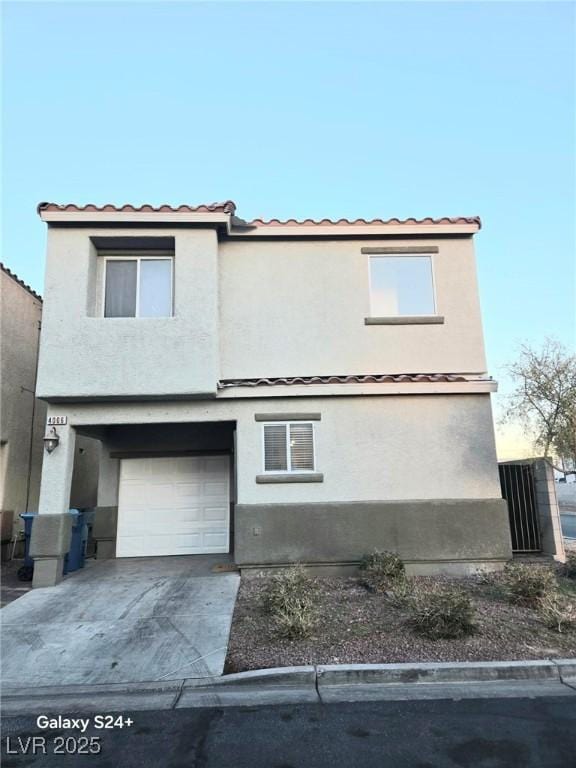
311	109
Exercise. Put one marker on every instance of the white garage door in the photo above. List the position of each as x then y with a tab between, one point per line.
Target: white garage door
173	506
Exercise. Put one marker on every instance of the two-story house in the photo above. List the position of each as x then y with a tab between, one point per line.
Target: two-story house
281	390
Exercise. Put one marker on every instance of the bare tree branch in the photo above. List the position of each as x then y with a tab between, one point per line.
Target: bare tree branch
544	400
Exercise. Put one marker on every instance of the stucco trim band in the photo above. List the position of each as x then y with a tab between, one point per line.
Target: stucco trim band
406	320
305	477
399	249
287	417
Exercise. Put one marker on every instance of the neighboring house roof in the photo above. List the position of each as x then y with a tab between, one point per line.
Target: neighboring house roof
15	277
379	378
227	213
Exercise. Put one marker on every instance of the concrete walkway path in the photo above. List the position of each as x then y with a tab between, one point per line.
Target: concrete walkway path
122	621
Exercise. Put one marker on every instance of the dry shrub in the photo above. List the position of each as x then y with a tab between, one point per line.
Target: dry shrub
405	592
557	613
442	613
296	623
290	600
568	569
528	585
382	571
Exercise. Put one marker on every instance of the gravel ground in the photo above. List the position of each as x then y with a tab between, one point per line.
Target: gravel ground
356	626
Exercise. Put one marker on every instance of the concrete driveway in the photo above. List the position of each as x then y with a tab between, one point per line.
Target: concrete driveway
122	621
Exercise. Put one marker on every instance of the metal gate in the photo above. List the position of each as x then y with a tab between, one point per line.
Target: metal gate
517	485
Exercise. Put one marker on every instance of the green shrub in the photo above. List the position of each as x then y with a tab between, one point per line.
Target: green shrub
557	613
382	571
443	612
528	585
569	567
289	599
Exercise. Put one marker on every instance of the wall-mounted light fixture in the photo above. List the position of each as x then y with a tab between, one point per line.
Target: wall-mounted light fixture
51	440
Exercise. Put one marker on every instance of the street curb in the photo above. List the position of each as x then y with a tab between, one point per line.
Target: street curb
303	684
447	672
92	698
275	676
566	670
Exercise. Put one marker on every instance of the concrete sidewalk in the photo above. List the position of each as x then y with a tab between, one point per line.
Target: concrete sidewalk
124	621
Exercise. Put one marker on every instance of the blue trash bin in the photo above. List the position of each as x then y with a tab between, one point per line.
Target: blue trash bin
77	553
28	518
73	559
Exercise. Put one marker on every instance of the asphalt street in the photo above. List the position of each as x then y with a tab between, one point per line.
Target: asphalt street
478	733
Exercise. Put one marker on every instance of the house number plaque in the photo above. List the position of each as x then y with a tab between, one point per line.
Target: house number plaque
54	421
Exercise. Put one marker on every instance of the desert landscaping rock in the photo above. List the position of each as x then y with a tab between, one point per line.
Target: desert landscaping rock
355	626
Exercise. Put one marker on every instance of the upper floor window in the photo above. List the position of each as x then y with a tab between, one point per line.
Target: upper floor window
401	285
289	447
138	286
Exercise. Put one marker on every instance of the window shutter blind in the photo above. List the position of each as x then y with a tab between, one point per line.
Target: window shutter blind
275	458
301	446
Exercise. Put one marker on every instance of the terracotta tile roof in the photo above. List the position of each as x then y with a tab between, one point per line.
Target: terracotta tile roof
15	277
380	378
230	207
227	207
366	222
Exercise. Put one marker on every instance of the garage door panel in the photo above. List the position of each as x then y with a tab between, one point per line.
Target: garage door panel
134	470
172	506
160	496
214	541
133	546
216	513
187	493
162	520
131	491
214	488
193	515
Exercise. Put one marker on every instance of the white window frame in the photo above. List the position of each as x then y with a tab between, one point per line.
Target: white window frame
131	256
289	470
401	256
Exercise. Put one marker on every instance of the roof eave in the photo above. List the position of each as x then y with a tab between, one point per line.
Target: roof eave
354	230
135	217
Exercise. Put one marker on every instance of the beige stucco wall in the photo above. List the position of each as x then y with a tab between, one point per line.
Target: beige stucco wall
298	308
368	448
246	309
84	355
20	315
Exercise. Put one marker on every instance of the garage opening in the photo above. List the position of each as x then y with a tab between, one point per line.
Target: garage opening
173	506
176	488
